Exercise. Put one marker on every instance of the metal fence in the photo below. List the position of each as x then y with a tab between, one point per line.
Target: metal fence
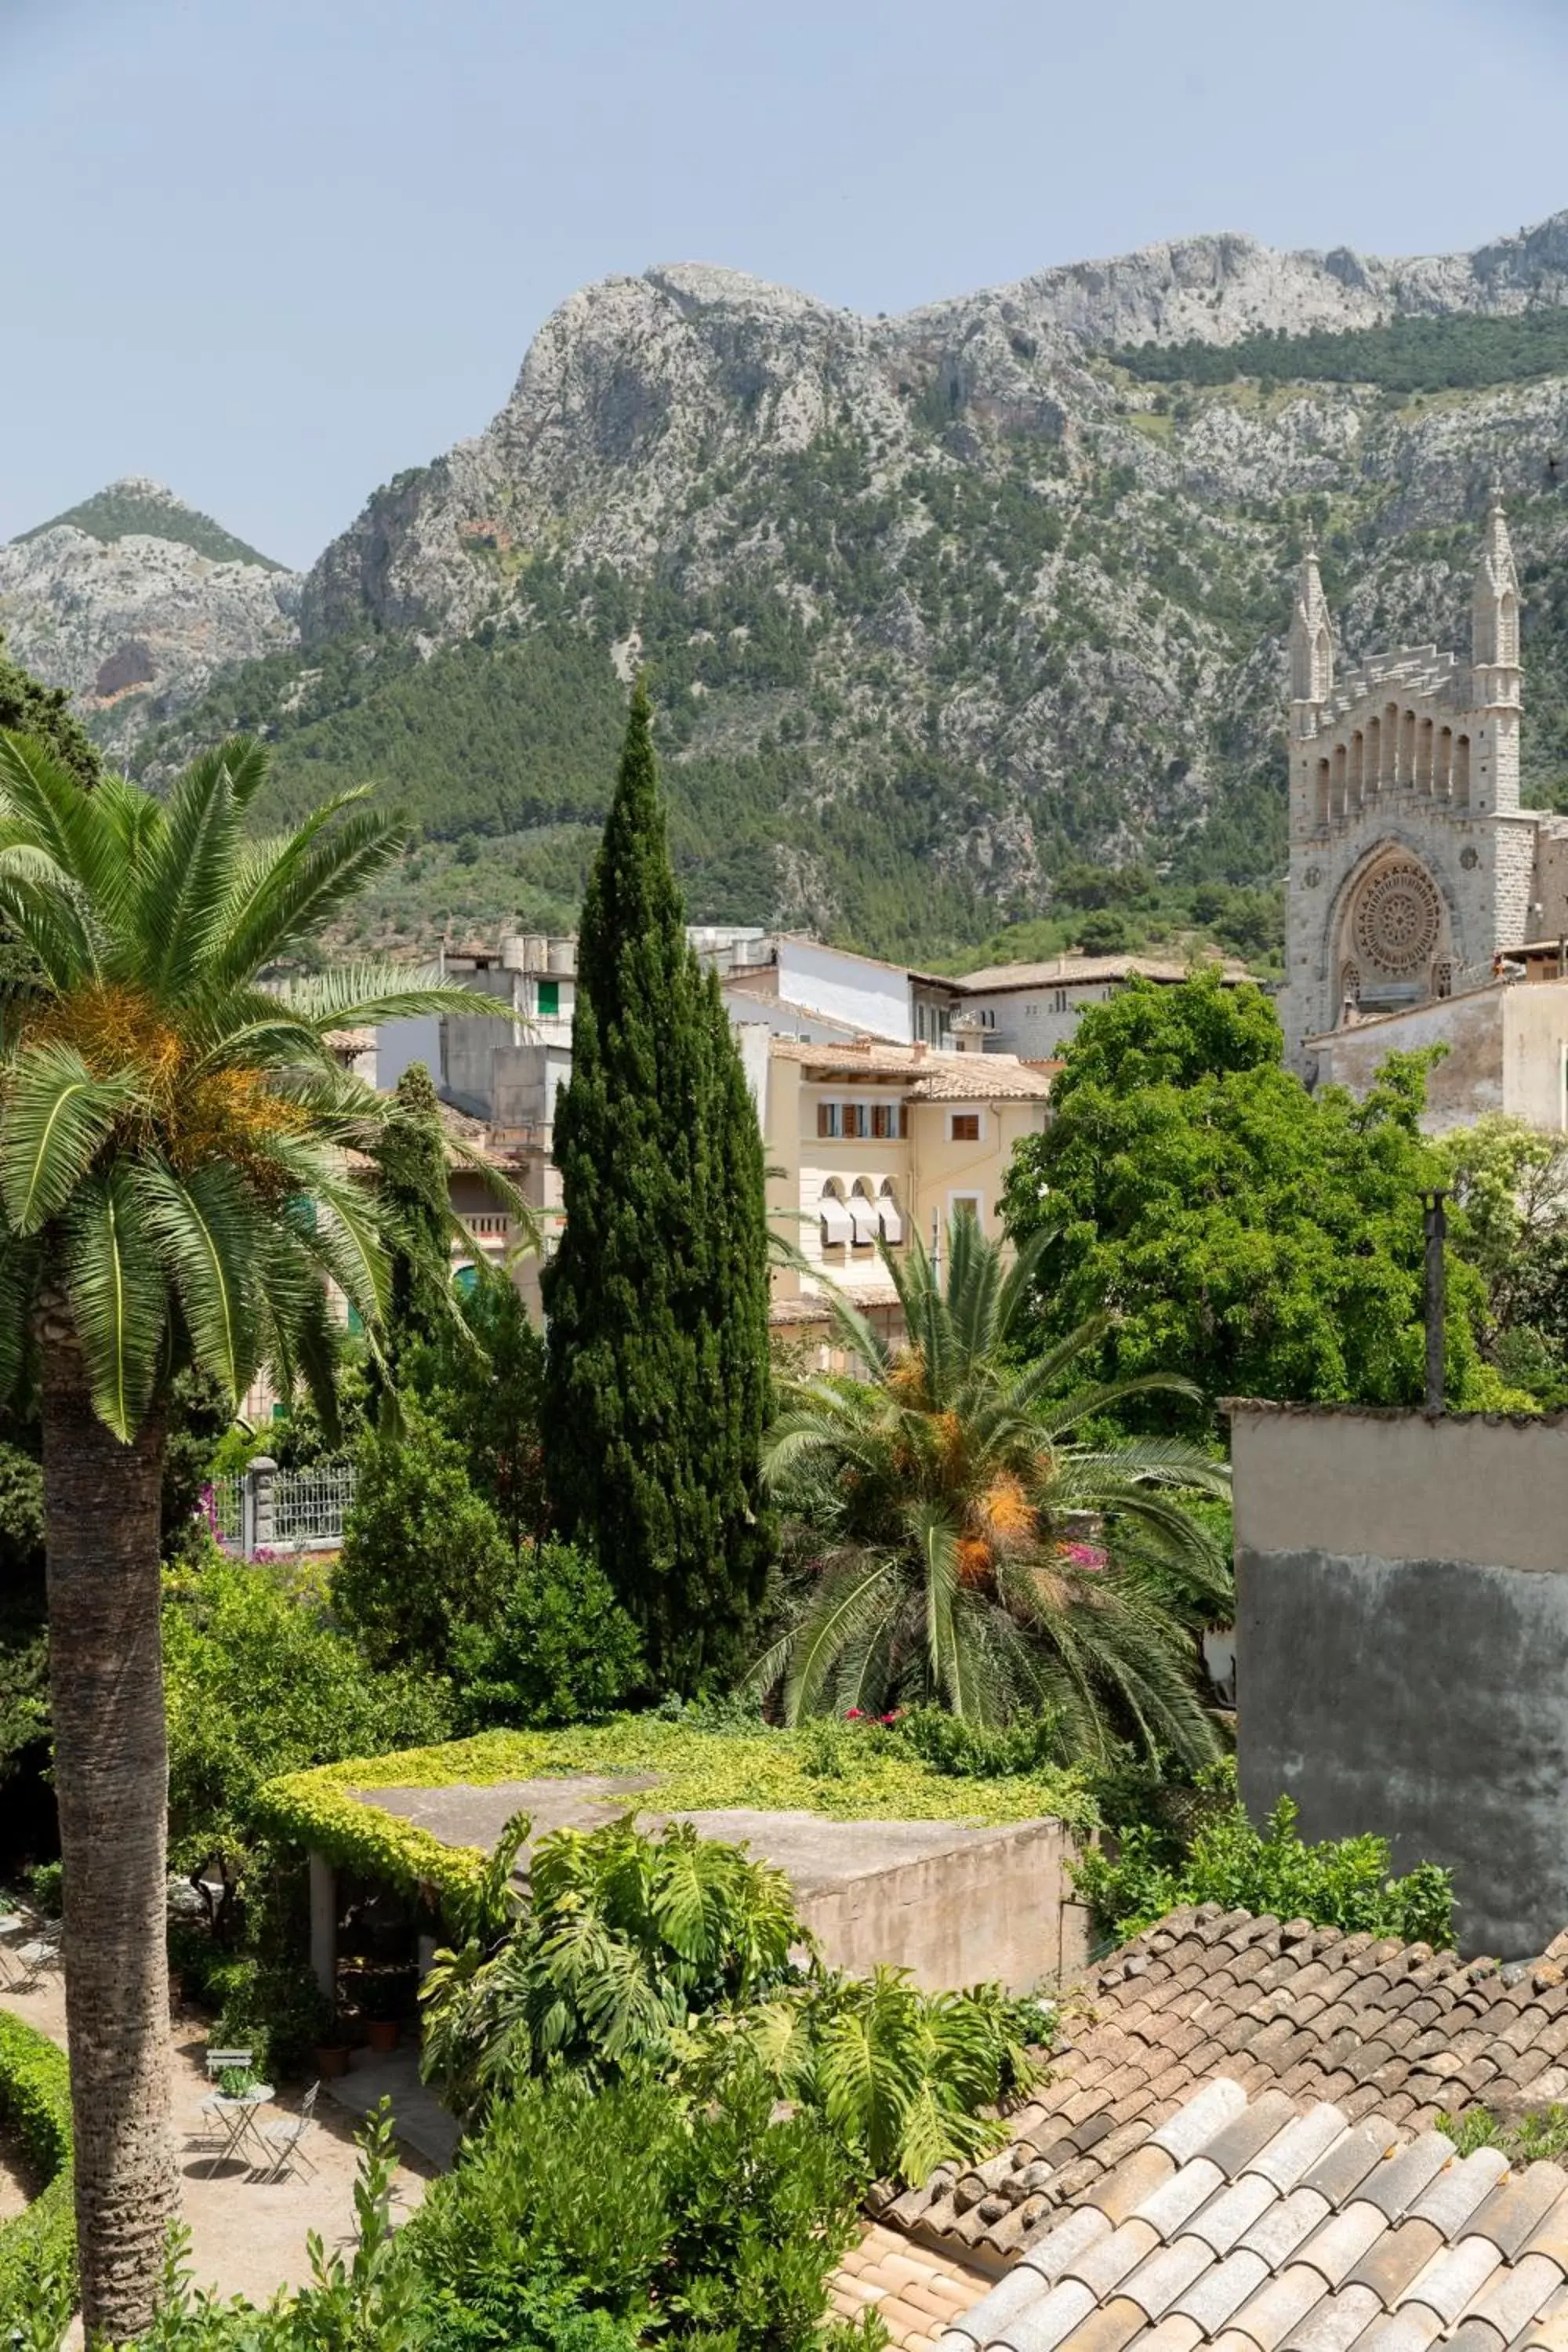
268	1510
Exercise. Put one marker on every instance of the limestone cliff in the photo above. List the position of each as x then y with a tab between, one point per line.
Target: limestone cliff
136	602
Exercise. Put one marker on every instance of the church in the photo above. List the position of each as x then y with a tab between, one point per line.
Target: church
1424	906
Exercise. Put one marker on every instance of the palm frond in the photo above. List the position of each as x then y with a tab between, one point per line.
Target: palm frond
848	1600
360	994
211	1240
119	1301
57	1115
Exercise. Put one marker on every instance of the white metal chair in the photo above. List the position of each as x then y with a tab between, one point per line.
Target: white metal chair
34	1960
11	1924
225	2062
289	2134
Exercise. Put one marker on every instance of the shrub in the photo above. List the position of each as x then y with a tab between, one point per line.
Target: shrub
559	1648
259	1680
274	2010
671	1956
624	1937
721	2221
1343	1882
422	1551
38	2250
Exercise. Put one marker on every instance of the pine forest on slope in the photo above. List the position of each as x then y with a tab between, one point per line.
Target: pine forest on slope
939	612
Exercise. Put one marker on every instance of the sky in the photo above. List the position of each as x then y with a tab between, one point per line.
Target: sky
272	251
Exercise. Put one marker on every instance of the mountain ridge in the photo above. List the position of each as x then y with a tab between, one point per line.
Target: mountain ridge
937	608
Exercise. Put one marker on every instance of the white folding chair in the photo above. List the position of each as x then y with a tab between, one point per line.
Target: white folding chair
288	2135
225	2062
35	1961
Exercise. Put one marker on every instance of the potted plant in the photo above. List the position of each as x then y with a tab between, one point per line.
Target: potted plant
331	2053
381	2000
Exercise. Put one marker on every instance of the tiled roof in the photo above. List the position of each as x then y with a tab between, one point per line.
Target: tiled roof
932	1077
916	2294
1251	2226
1079	970
1370	2023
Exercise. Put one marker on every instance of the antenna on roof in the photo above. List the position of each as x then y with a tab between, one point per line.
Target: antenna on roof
1437	1234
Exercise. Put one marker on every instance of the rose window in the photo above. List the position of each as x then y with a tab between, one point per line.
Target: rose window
1399	918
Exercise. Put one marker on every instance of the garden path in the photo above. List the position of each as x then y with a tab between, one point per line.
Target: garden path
248	2236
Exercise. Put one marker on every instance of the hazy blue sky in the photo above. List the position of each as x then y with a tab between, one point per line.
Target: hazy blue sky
272	250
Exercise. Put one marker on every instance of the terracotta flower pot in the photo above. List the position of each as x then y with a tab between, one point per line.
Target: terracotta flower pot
380	2033
332	2058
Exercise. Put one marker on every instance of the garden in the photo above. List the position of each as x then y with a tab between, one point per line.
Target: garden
965	1581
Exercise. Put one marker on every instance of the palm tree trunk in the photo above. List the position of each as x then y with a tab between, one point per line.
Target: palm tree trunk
111	1778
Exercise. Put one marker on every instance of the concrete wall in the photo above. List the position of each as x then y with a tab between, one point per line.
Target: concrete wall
873	998
1037	1023
1402	1638
1507	1051
1464	1085
1000	1910
400	1044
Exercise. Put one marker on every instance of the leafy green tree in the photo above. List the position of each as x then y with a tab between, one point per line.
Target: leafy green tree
556	1646
173	1192
1508	1219
937	1494
484	1380
1266	1240
44	712
422	1551
259	1681
656	1375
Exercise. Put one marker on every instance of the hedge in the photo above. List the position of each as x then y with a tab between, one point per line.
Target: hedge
34	2104
686	1771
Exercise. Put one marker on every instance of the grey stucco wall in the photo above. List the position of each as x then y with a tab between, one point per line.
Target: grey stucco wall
1391	1676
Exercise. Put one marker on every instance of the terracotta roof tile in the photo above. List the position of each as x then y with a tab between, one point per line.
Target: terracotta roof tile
1428	2249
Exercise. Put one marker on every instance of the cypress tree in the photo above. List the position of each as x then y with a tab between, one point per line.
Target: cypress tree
410	1153
657	1376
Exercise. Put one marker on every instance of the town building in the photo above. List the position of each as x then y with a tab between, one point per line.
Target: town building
1416	880
1033	1009
869	1144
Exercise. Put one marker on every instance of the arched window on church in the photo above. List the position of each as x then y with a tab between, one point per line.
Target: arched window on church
1388	773
1442	978
1357	771
1337	803
1324	791
1424	756
1408	749
1443	770
1372	761
1462	771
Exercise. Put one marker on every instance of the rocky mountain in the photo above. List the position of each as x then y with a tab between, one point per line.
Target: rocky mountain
934	605
136	602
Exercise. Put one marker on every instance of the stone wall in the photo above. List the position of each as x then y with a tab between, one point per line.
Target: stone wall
1402	1637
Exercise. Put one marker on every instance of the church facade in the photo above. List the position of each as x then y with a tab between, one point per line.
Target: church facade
1415	877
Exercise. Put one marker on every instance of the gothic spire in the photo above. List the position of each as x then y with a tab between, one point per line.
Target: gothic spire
1311	632
1495	605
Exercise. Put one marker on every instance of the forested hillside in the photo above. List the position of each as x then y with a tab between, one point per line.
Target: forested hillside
938	611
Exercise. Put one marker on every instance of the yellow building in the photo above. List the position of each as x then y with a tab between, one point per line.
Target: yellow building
868	1143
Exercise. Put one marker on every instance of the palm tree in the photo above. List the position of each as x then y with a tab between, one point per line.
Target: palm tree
174	1190
940	1492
